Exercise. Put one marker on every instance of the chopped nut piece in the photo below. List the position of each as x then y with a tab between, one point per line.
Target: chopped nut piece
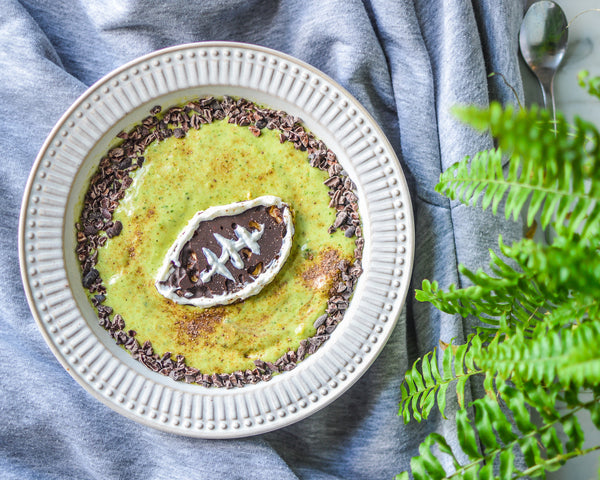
254	225
257	269
276	214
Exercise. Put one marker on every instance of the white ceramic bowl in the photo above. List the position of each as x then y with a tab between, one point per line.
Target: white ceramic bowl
70	155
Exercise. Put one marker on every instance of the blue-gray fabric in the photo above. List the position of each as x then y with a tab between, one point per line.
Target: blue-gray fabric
408	62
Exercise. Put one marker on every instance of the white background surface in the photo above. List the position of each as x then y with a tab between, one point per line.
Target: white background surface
583	53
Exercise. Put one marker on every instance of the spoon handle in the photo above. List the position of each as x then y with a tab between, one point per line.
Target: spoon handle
547	85
548	98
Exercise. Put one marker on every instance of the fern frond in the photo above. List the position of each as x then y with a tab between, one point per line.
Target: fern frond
594	409
590	84
548	173
539	305
465	181
570	357
566	266
555	285
508	299
489	296
427	382
541	447
580	307
582	367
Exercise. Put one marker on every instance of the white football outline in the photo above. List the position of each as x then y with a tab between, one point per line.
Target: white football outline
263	279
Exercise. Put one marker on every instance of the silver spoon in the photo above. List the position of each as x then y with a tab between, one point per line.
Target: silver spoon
543	41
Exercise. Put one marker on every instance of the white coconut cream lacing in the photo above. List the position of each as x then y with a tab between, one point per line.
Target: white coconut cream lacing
230	251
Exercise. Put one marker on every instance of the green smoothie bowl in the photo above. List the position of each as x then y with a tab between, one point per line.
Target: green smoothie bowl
216	240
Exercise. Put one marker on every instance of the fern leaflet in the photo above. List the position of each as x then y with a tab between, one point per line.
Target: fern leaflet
590	84
569	356
427	382
540	447
545	170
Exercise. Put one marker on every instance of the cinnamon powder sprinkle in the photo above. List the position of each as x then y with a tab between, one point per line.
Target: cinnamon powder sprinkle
323	272
199	323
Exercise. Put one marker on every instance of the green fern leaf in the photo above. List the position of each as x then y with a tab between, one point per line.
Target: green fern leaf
443	447
568	265
574	433
460	390
563	279
582	359
466	180
504	300
590	84
516	402
486	472
574	311
498	421
538	342
554	446
540	446
507	464
549	171
570	356
543	399
429	464
441	398
485	427
427	382
467	437
531	451
595	414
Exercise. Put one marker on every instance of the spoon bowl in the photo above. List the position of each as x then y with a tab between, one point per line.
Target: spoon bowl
543	40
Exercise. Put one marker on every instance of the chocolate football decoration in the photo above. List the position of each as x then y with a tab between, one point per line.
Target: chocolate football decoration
227	253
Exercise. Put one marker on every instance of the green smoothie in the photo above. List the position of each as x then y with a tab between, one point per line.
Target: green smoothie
218	164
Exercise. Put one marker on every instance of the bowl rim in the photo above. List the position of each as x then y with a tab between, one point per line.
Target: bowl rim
394	307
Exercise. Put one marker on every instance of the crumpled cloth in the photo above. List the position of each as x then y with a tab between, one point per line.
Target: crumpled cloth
407	62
